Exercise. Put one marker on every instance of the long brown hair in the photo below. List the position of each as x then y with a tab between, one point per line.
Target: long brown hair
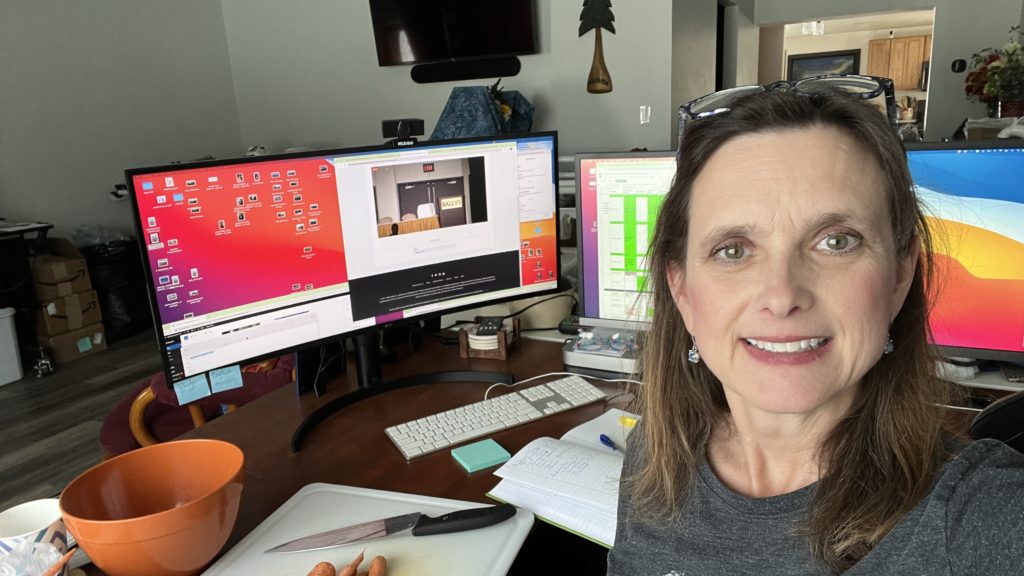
879	461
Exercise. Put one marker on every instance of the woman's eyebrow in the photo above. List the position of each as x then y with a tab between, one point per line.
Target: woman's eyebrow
716	235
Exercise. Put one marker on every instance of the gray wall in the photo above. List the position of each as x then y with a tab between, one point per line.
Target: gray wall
91	88
693	53
306	74
961	28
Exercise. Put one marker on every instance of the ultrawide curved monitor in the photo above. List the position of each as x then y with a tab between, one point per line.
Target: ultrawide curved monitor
251	257
973	194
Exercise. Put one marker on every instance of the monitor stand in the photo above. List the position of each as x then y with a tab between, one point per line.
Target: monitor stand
370	383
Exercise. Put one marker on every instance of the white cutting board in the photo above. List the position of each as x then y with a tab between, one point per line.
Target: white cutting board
319	507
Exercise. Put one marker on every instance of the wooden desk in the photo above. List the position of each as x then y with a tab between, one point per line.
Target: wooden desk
351	447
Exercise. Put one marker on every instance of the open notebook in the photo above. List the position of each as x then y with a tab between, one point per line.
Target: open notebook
572	482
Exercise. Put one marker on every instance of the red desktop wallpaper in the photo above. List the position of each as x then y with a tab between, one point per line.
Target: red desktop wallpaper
227	236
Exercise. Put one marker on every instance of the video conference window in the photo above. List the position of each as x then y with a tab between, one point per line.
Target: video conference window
423	196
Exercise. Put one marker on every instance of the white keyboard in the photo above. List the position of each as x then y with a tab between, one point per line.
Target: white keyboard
438	431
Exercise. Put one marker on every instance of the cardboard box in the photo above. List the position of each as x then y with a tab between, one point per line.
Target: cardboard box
61	272
68	313
71	346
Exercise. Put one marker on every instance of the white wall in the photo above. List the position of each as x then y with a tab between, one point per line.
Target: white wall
88	89
961	28
306	73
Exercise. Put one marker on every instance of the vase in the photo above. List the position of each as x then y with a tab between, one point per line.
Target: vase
1011	109
599	81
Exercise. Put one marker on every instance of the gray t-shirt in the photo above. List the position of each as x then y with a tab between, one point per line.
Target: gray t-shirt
972	522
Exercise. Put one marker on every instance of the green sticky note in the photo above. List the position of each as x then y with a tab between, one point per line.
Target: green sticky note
480	455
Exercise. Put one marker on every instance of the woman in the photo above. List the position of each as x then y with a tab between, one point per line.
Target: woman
790	414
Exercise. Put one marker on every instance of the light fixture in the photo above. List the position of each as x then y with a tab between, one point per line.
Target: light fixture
816	28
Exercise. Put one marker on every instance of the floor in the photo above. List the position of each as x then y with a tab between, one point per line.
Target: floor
50	426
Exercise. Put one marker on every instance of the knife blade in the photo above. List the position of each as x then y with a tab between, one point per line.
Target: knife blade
417	523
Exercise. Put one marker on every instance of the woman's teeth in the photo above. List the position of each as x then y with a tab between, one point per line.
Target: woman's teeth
788	347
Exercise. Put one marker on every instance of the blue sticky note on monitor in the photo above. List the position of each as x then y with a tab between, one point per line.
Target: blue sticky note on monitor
191	389
223	379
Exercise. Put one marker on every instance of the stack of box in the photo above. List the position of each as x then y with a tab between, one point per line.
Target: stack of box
69	322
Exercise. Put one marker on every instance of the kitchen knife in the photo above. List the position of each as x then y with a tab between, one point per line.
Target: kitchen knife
417	523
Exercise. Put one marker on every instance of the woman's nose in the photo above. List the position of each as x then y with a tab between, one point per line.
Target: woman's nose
786	287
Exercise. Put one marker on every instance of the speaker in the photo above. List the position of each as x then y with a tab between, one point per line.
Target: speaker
466	70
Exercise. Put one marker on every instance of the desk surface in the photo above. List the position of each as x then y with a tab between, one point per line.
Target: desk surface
351	448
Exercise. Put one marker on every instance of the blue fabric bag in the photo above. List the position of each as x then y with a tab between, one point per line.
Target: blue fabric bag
471	111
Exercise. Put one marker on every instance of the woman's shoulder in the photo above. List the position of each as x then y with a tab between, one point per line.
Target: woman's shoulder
983	490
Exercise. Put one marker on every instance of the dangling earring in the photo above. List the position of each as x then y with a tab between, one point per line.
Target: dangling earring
693	355
889	346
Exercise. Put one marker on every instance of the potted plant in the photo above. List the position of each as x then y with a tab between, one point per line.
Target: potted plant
997	77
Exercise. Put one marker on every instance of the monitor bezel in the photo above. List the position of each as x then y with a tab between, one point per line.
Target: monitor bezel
633	324
953	145
384	147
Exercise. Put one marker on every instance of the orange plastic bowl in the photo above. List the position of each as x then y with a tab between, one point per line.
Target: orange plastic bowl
162	510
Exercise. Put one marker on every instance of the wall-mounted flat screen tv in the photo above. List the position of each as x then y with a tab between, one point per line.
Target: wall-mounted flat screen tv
422	31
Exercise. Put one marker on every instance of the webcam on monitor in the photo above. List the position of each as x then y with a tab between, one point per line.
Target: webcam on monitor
403	131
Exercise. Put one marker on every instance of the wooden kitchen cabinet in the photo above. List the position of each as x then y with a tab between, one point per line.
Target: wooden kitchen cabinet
899	59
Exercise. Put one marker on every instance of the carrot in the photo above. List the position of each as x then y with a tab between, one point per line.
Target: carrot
323	569
378	567
350	569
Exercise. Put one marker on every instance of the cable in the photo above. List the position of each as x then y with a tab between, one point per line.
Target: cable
514	384
576	304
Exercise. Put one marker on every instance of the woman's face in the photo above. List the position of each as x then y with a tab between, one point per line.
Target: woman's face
791	276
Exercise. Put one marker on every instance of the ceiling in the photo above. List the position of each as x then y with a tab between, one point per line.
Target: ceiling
889	20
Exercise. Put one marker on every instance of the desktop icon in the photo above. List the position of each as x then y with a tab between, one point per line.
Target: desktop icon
195	209
151	221
278	198
282	215
172	297
300	227
194	272
239	177
172	242
162	263
169	182
165	279
314	206
239	201
313	222
161	199
255	176
275	174
147	185
178	197
190	183
297	198
213	179
276	186
192	201
253	198
221	225
297	211
154	238
291	173
175	280
241	216
293	183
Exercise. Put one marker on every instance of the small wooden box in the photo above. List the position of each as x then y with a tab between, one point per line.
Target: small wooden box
508	339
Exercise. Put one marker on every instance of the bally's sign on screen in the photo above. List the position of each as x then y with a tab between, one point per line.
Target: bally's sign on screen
451	202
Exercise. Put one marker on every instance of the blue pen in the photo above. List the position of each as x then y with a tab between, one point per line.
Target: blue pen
608	442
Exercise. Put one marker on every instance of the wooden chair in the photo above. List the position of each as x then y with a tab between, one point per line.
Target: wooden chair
150	413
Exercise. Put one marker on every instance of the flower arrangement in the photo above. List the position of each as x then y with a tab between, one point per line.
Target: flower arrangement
998	73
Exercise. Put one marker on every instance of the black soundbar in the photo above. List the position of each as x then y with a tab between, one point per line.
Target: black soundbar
501	67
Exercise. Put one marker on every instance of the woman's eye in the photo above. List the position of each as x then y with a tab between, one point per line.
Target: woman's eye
732	252
839	242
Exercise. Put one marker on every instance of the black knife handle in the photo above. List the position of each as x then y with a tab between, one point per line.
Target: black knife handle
463	520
